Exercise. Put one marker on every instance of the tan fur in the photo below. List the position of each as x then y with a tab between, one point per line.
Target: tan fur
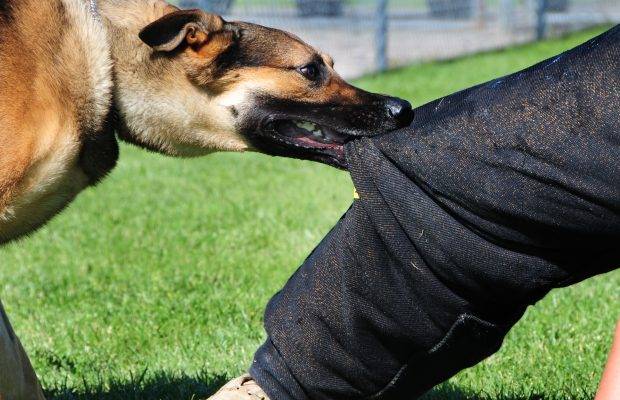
55	88
194	122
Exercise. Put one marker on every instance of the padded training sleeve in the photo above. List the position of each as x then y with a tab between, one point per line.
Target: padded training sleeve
494	196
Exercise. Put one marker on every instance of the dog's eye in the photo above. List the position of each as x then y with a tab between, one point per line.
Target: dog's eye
310	71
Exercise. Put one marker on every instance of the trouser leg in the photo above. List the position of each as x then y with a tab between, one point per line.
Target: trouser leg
364	321
18	380
396	299
493	197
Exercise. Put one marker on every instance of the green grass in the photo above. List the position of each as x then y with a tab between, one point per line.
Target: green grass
152	285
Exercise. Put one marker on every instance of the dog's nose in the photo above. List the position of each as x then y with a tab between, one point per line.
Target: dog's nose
400	110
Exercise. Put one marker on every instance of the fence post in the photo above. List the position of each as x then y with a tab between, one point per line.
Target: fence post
381	35
541	21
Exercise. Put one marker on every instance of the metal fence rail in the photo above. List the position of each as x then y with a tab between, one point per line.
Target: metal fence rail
370	35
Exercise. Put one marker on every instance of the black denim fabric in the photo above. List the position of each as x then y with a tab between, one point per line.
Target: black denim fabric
493	197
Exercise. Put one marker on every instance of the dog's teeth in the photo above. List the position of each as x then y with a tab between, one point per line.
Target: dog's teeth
308	126
315	131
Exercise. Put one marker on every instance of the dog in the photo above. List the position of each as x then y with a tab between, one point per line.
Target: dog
77	74
179	82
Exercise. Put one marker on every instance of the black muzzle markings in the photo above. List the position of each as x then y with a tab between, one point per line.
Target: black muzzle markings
319	132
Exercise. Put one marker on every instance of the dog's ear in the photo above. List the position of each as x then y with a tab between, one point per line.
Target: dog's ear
193	27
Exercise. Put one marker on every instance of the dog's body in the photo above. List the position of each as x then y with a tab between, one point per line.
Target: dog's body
55	94
184	83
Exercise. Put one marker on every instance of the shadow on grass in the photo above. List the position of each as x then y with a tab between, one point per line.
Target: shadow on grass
448	391
166	386
151	386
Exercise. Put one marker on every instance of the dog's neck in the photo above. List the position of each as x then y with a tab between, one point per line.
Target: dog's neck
114	16
123	20
155	103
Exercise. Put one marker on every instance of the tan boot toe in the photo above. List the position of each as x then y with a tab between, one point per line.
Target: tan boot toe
242	388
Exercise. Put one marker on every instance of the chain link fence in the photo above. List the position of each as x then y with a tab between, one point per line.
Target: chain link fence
365	36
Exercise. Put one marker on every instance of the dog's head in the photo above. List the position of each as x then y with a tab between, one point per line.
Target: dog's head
263	89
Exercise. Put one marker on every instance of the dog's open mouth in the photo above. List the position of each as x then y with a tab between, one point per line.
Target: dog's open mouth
309	140
309	133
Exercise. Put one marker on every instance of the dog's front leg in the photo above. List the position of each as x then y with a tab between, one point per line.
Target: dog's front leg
17	378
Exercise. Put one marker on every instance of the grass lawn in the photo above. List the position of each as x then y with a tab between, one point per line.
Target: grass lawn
152	285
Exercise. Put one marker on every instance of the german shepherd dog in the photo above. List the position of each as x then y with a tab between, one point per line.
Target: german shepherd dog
75	74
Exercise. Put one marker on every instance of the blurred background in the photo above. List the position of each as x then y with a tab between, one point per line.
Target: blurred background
366	36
